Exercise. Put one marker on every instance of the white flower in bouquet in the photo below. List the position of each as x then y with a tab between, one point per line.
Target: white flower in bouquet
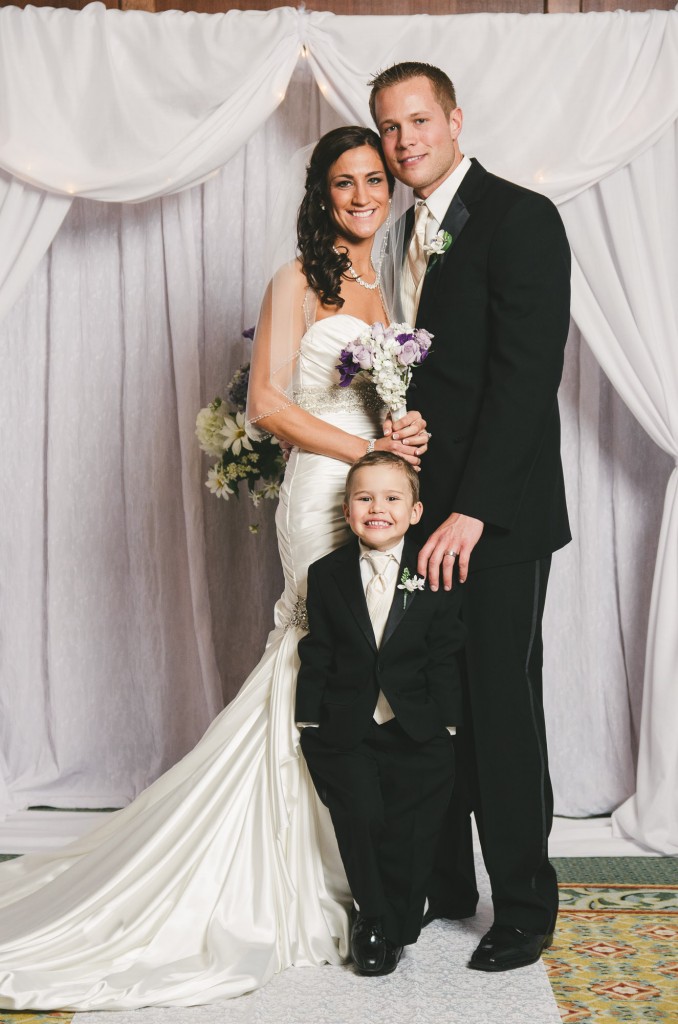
208	426
235	434
271	489
222	432
217	482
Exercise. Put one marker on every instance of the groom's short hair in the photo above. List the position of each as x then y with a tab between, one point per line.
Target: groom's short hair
442	86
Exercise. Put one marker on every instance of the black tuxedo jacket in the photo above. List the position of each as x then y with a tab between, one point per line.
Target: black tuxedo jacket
342	670
498	304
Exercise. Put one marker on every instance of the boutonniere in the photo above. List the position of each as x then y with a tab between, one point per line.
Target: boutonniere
437	247
409	584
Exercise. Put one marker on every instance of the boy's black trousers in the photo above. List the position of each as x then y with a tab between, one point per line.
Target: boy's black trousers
387	798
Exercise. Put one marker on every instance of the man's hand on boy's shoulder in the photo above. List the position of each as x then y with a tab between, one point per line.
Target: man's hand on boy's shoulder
450	546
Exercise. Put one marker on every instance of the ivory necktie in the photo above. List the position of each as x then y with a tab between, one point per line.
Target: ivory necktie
416	264
379	598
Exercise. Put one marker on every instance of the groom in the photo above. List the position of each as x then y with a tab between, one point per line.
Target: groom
487	271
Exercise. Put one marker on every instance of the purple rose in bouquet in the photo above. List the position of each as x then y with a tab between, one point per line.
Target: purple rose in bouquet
409	353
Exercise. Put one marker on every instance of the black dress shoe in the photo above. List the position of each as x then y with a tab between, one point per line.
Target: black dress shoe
436	913
392	955
504	948
368	945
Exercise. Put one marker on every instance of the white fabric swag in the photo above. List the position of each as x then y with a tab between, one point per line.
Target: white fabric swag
127	106
623	236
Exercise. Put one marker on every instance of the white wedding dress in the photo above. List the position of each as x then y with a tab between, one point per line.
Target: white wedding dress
225	870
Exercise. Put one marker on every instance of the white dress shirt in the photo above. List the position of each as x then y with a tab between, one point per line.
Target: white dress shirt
438	202
390	573
437	205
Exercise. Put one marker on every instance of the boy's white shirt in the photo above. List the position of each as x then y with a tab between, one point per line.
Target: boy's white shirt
390	575
390	572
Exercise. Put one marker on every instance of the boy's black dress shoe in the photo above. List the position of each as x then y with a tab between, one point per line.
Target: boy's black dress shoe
504	948
392	955
368	945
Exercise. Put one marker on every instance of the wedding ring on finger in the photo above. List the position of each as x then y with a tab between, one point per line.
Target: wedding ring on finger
452	554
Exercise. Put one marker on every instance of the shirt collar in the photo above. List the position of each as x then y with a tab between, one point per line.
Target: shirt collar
396	551
439	201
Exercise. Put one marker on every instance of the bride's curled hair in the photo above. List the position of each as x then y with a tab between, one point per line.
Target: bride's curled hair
316	229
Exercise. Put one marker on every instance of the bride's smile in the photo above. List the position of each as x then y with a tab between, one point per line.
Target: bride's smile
358	194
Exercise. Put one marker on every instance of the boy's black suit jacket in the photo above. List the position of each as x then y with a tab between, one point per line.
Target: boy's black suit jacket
498	304
342	670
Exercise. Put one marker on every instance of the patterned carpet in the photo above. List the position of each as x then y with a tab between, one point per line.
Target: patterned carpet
34	1018
615	958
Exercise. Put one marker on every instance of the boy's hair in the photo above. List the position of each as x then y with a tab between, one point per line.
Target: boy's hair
384	459
403	72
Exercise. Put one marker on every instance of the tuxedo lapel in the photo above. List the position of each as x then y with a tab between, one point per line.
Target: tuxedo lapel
409	227
407	234
457	216
349	581
400	607
453	222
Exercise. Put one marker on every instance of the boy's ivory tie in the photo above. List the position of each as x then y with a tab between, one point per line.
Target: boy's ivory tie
379	596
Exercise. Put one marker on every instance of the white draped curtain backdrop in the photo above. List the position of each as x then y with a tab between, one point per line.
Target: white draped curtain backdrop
139	161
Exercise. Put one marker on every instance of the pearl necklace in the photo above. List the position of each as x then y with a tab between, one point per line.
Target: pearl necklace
357	278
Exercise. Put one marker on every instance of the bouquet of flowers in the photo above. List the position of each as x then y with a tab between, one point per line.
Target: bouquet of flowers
222	432
387	355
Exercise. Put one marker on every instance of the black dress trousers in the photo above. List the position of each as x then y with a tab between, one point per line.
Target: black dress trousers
387	798
502	764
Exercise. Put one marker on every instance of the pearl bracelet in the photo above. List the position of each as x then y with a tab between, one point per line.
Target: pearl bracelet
370	446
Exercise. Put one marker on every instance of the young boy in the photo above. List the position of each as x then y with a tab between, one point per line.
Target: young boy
379	681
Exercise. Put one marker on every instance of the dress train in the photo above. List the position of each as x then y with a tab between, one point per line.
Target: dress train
225	870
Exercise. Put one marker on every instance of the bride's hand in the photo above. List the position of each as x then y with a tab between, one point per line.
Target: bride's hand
410	430
285	448
407	452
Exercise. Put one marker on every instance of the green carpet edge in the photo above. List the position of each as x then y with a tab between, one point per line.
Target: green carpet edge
616	870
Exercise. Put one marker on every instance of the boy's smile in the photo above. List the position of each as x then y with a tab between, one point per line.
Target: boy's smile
380	509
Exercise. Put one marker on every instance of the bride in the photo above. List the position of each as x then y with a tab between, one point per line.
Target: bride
225	870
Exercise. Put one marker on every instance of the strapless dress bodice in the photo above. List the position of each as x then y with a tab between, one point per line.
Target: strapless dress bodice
309	519
316	379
